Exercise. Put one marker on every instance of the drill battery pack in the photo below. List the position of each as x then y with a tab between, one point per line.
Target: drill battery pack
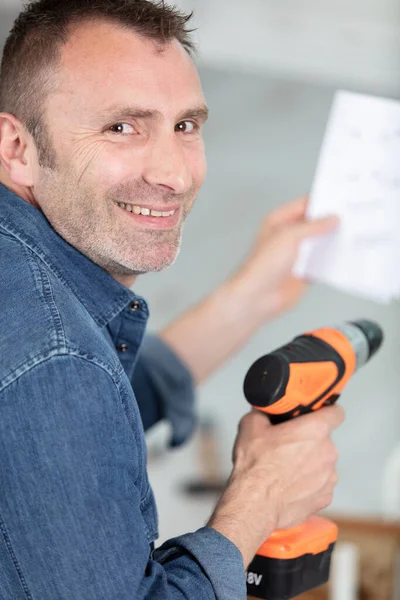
286	567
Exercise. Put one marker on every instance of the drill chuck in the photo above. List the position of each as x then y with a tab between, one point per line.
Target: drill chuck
373	335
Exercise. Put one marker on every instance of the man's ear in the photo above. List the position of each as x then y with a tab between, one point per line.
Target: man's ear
16	150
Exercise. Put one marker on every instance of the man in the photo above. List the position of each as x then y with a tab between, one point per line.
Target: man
101	114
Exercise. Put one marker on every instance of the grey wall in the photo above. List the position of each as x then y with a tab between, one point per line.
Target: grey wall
6	20
344	42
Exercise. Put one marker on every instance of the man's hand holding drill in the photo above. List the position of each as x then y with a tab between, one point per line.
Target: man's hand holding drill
282	475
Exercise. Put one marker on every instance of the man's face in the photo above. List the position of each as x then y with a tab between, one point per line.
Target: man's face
125	123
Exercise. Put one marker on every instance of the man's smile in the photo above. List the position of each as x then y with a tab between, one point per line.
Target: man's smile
159	217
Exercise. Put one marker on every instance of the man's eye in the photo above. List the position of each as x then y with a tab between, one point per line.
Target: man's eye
186	127
122	128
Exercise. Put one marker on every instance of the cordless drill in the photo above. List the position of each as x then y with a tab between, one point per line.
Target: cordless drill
307	374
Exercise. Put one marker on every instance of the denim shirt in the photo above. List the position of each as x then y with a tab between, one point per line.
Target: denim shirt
77	514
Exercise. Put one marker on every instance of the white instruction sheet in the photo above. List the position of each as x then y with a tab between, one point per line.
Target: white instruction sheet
358	179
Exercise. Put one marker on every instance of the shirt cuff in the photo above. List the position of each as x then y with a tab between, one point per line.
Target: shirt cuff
174	385
219	558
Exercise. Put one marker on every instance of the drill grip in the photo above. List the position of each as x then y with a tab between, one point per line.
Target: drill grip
298	378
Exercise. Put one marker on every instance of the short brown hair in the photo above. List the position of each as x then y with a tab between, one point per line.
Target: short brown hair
33	47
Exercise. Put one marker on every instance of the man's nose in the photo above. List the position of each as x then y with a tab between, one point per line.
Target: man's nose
167	165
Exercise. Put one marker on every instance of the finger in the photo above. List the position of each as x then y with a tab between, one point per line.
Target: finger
316	227
327	419
316	425
325	500
333	415
330	484
254	422
289	212
333	479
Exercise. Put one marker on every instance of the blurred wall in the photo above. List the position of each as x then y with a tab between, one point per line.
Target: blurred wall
7	16
353	43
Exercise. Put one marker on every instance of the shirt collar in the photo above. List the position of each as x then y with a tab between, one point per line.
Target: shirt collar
102	296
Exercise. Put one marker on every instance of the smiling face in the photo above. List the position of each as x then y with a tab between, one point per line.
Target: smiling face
125	125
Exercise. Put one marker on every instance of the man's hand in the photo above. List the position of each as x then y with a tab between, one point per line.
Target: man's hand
282	475
268	270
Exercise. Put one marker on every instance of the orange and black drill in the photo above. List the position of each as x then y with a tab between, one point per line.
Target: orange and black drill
308	373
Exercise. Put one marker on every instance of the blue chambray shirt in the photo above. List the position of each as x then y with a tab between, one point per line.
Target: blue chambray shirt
79	382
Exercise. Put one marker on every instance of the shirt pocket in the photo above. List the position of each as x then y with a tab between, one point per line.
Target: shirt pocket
149	514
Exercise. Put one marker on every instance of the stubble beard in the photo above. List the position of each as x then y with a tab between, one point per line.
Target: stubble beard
92	224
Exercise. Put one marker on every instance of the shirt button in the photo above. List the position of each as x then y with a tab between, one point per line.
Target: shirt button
122	347
134	306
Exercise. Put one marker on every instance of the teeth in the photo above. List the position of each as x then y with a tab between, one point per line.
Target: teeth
138	210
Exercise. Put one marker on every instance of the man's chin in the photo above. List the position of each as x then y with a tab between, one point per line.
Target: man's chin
159	266
155	264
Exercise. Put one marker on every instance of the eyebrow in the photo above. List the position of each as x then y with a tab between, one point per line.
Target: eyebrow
116	113
198	112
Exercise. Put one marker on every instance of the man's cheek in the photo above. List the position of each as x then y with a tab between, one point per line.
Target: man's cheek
199	165
117	165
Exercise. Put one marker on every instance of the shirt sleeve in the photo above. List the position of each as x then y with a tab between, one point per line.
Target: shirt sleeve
71	500
164	388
